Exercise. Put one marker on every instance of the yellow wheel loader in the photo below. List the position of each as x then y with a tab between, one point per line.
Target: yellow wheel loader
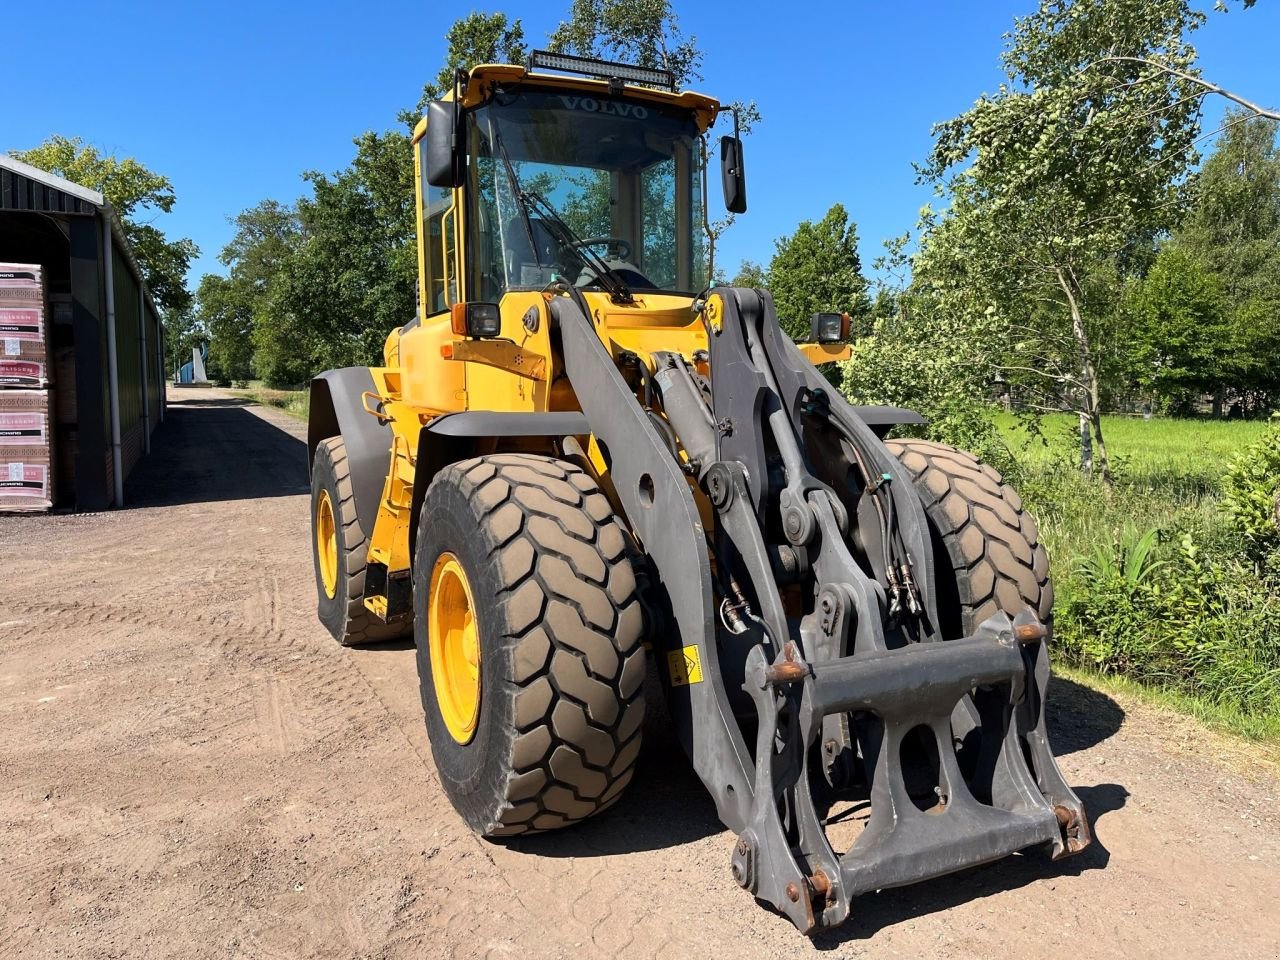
579	458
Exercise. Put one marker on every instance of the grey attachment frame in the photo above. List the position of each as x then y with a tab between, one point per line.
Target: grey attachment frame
851	682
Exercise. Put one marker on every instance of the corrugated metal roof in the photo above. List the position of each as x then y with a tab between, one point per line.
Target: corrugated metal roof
27	188
24	187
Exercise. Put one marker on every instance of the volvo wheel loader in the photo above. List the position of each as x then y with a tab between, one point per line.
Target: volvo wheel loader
578	459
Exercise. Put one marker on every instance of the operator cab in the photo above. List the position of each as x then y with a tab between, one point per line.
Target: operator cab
592	183
622	176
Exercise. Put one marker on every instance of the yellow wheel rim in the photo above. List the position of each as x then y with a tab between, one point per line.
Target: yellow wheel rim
327	544
454	645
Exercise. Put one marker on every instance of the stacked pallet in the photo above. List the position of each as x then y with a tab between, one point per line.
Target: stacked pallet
26	437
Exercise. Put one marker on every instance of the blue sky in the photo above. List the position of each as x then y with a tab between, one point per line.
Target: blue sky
234	100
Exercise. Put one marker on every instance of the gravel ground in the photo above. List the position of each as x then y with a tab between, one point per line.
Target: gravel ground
191	767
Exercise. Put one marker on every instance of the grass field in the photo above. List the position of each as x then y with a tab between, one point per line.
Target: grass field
1164	470
1202	630
1178	455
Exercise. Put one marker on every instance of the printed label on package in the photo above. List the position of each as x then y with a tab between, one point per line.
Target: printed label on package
22	428
25	372
20	323
25	478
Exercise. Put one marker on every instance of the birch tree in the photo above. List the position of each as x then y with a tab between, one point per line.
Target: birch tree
1068	172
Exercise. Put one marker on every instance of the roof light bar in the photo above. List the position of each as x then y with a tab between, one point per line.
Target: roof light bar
601	69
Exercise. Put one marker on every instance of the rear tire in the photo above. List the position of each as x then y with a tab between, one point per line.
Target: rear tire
558	626
990	542
342	609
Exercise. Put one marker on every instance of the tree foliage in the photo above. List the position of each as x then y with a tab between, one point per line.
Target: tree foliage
1180	340
321	283
1068	172
230	308
350	279
643	32
182	332
818	269
750	274
1233	231
914	351
472	40
1206	318
647	33
138	195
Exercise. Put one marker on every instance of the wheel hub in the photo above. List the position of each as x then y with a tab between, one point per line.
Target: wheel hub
453	642
327	544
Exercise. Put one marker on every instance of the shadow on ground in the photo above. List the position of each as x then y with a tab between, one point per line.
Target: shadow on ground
666	805
210	449
187	400
1079	717
873	912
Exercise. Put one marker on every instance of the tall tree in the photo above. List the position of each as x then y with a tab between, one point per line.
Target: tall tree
182	332
914	350
351	278
643	32
647	33
472	40
1070	170
750	274
225	315
817	269
1180	340
230	308
139	196
1233	229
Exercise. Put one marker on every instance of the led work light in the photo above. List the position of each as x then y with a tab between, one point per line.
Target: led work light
601	69
479	320
829	328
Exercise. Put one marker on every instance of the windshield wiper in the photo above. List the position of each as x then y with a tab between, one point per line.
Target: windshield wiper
617	288
531	203
514	183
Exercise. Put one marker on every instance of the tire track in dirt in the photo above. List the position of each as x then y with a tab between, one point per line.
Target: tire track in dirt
215	777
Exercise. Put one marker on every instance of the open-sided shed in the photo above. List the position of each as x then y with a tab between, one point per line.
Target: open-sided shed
107	340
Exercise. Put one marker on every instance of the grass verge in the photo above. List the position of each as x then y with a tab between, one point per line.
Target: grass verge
296	403
1157	594
1263	729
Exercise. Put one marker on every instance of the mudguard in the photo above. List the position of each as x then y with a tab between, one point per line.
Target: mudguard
337	409
882	419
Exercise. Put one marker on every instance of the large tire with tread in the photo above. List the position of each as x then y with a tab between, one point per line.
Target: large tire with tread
558	624
343	614
990	542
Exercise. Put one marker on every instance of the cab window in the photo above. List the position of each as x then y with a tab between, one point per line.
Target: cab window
551	173
439	231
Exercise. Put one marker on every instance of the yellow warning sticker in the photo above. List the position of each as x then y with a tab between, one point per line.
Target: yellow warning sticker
685	666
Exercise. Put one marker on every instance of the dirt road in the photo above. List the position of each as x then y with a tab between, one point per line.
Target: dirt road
190	767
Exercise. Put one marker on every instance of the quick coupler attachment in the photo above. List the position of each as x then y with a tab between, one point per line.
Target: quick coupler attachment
950	741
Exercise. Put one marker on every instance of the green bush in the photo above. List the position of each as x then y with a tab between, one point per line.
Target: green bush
1180	618
1251	492
940	368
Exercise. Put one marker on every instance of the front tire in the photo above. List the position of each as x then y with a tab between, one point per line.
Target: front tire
339	552
992	544
533	696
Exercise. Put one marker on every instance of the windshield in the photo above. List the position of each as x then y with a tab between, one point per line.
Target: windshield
622	176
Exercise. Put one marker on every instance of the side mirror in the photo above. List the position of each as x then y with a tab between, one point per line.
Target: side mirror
444	154
732	175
